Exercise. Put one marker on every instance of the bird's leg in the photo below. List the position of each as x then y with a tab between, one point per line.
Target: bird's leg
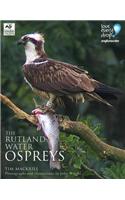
50	103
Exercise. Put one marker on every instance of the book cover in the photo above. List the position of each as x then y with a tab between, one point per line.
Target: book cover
62	99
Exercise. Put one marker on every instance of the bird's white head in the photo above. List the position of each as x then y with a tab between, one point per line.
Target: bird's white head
34	46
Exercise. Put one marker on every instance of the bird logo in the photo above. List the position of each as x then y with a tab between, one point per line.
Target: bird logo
9	26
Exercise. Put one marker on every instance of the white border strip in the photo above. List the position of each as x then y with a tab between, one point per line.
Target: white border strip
62	189
62	10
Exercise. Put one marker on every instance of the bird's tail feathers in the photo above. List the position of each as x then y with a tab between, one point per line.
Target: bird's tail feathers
107	92
98	98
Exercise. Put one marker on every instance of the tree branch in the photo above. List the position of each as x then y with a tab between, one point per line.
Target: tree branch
72	127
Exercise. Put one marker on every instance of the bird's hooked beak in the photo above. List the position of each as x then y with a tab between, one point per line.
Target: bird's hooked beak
21	41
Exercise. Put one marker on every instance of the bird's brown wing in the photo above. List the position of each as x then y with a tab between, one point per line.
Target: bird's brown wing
73	67
57	77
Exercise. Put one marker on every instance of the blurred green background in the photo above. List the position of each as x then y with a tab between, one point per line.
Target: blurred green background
79	43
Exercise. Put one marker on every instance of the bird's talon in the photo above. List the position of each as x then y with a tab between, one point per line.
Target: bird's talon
47	109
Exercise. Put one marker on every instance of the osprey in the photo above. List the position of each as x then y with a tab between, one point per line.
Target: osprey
57	81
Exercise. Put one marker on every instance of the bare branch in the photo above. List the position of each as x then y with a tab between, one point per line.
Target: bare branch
72	127
20	114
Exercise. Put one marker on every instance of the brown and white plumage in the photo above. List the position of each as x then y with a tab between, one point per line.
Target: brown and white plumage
54	80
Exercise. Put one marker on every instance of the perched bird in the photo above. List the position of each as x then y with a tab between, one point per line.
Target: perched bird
57	81
48	123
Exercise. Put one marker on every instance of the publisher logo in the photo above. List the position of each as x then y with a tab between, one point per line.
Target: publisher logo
110	32
9	29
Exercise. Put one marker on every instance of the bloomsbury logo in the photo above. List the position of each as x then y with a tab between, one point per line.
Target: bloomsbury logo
9	29
110	32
